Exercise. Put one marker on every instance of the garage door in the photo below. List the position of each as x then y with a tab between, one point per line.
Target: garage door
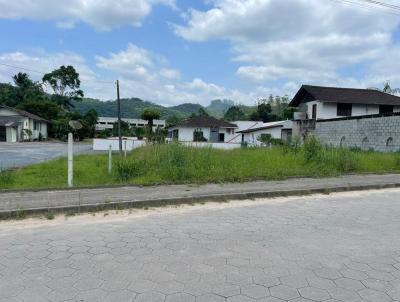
3	135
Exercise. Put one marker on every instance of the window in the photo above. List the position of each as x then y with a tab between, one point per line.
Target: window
35	125
385	109
314	111
221	137
198	136
344	109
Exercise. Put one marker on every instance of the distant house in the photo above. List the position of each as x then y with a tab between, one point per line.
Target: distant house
279	130
318	102
18	125
202	129
104	123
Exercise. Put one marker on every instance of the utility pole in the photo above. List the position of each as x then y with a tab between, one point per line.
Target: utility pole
119	119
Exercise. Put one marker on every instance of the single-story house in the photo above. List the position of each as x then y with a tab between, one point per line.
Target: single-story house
18	125
317	102
202	129
278	130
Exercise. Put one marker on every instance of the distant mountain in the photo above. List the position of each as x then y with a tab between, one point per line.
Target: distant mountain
219	107
132	108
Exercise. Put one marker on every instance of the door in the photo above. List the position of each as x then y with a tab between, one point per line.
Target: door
3	134
214	135
314	111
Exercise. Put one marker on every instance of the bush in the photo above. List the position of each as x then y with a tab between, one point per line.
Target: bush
128	169
312	149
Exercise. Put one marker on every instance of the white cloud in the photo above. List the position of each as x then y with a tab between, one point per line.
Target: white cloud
147	75
299	41
102	14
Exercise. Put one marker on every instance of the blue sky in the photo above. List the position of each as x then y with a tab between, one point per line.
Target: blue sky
175	51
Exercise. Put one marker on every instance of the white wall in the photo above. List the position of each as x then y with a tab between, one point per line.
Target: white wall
243	125
104	144
185	134
327	110
225	146
252	138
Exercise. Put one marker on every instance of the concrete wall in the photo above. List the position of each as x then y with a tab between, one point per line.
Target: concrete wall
225	146
377	133
104	144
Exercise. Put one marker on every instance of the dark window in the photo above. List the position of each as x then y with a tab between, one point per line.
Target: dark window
385	109
344	109
221	137
314	111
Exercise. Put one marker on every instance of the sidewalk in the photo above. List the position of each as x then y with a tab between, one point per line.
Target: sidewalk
134	196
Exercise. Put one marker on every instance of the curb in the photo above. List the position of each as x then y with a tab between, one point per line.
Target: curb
223	197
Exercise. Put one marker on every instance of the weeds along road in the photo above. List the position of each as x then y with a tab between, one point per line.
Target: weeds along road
338	247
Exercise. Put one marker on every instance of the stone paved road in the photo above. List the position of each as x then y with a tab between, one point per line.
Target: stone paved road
341	247
22	154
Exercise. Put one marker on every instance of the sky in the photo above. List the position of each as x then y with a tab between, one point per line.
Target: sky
180	51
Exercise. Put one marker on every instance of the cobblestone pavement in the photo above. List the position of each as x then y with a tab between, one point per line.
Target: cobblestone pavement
341	247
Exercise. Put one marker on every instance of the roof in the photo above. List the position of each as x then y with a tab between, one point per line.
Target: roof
25	113
264	127
204	121
309	93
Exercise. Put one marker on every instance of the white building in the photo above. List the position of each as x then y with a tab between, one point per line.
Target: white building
19	125
104	123
318	102
202	129
278	130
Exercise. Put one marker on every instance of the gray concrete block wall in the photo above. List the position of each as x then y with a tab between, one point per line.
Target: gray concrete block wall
378	133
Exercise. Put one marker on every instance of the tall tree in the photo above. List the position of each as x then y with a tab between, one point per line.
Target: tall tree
234	113
26	89
150	114
66	84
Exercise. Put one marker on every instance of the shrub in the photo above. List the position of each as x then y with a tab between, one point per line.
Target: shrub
312	149
128	169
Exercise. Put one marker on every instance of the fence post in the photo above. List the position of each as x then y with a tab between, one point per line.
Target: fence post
70	161
125	147
109	159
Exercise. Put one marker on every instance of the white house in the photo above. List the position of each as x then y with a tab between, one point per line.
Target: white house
318	102
16	125
104	123
278	130
202	129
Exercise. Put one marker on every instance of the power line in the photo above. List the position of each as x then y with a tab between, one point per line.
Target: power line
42	72
370	6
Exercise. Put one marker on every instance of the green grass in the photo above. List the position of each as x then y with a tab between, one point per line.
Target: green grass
169	164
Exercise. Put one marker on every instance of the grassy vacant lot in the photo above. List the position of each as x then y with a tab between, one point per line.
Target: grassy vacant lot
167	164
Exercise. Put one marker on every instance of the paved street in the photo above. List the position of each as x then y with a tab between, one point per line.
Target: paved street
338	247
22	154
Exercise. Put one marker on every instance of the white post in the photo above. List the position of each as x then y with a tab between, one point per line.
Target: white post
70	160
109	159
125	147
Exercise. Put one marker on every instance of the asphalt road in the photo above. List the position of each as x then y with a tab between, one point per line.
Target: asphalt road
338	247
22	154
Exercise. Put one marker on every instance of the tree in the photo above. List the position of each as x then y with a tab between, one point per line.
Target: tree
150	114
89	121
234	113
388	89
202	112
26	89
66	86
45	109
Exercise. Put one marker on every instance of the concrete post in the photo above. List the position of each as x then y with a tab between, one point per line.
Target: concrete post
70	160
109	159
125	148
